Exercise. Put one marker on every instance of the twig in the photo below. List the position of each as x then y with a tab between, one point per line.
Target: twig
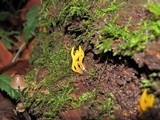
17	54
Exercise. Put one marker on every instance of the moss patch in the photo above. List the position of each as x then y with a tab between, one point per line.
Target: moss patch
52	65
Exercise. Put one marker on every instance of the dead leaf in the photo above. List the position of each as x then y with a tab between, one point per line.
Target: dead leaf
20	66
5	56
28	50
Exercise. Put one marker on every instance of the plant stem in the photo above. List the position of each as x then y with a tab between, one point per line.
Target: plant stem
25	114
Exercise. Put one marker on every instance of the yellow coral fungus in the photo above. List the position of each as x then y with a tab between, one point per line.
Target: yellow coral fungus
77	59
146	101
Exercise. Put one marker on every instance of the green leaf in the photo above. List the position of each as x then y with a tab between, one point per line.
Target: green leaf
6	43
5	86
31	23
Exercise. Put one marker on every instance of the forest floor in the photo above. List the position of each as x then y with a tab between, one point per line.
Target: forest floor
114	80
116	76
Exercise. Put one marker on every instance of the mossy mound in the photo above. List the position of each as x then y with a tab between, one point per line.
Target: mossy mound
55	92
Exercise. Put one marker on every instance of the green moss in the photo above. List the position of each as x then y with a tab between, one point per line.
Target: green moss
84	97
50	93
107	107
129	42
112	5
50	103
72	10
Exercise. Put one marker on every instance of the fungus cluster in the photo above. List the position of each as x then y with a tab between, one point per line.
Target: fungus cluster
77	59
146	101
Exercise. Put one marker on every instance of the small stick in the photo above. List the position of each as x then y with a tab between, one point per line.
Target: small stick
17	54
